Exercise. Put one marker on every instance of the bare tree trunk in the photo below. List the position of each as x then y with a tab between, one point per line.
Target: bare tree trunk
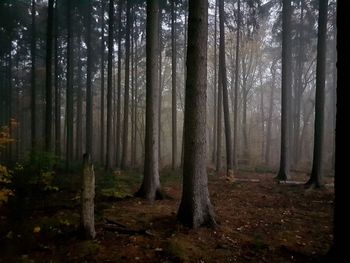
173	78
69	93
219	125
48	84
132	91
317	165
33	79
150	188
283	173
124	161
87	224
109	86
102	113
195	208
235	113
215	129
79	128
222	71
57	90
118	124
89	94
160	86
135	99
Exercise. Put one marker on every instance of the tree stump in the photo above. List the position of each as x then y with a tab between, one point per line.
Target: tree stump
87	199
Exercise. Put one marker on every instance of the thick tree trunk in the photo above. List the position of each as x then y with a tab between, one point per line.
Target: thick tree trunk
283	173
222	71
48	84
150	188
317	165
124	161
109	86
195	208
87	224
173	84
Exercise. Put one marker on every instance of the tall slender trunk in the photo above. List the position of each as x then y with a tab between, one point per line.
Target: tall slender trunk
222	71
269	120
134	150
150	188
79	126
119	84
235	113
69	93
215	129
57	90
132	91
283	173
317	164
160	85
48	84
89	94
33	79
109	86
102	116
124	160
219	125
173	84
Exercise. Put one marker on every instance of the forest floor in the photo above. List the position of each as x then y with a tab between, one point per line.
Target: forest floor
259	220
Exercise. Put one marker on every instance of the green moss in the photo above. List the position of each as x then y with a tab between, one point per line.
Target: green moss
183	249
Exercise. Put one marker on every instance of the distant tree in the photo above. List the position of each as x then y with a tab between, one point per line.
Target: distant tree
102	116
283	173
317	165
150	188
195	208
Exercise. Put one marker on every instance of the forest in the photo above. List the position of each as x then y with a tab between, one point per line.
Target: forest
168	130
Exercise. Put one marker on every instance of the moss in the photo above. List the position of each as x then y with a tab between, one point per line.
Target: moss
183	249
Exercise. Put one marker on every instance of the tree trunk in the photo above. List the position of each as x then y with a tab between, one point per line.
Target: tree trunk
173	84
87	224
222	71
48	84
119	80
79	128
317	165
89	94
195	208
219	125
150	188
283	173
102	116
134	150
215	129
109	86
33	79
57	90
124	160
69	93
160	85
235	113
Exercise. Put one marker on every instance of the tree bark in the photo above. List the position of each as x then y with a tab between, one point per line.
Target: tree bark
195	208
124	160
317	164
222	71
87	224
150	188
109	86
215	129
57	90
79	126
33	79
102	116
283	173
48	84
173	84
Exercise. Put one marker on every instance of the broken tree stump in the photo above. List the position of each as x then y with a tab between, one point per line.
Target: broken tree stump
87	224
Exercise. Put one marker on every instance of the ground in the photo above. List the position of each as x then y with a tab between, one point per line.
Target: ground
259	220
